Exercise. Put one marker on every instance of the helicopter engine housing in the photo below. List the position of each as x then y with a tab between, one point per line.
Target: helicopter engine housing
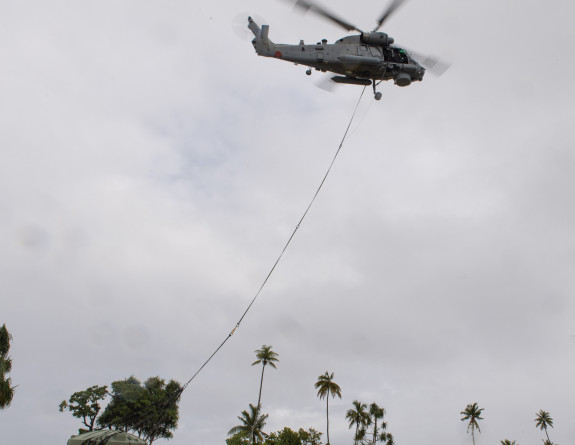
376	38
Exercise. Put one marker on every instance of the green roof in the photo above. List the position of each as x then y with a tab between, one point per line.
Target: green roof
108	437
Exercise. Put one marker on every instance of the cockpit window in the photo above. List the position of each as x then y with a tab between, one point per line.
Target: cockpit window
396	55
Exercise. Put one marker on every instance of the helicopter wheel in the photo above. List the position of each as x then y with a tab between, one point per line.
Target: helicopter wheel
308	72
377	96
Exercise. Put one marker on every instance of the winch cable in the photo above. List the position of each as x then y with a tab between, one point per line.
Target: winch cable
285	247
359	123
148	413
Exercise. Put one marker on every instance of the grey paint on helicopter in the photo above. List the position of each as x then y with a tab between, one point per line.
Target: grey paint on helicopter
351	56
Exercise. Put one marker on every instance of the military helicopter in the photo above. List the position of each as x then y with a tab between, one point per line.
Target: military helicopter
365	59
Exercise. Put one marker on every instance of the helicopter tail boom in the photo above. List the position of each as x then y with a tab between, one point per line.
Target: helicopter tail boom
262	44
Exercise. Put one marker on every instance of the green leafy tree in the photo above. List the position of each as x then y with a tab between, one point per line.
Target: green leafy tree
508	442
85	405
265	356
309	437
162	411
127	401
543	421
472	413
325	387
283	437
252	426
358	416
6	388
238	439
290	437
150	410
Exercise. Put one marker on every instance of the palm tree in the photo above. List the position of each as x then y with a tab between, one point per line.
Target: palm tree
265	356
542	421
376	412
508	442
326	387
359	417
472	413
252	425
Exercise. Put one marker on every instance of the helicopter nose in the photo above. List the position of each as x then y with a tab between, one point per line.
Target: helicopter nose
420	72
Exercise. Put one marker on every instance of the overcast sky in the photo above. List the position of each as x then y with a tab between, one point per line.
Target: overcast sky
153	167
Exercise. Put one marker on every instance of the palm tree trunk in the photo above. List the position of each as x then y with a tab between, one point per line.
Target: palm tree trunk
327	410
473	435
261	384
258	406
549	440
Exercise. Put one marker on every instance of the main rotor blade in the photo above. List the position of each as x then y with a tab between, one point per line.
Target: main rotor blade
435	66
431	63
308	5
387	13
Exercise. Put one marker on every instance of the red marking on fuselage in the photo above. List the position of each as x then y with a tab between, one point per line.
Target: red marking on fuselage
278	55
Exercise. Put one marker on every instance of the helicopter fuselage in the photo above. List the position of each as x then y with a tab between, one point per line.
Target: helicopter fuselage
359	59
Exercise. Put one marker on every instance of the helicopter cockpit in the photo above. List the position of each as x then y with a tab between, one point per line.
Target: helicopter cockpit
395	55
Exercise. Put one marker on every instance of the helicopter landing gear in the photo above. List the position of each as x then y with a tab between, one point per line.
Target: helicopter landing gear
376	94
308	72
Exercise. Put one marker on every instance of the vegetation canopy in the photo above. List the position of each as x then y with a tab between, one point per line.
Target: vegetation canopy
472	413
149	410
543	421
6	388
252	424
325	387
85	405
265	356
359	417
366	420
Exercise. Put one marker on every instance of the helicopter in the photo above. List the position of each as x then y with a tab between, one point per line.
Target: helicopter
365	59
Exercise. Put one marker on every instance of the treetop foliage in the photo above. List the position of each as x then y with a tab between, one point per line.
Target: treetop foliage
5	338
85	405
266	356
149	410
6	388
289	437
326	386
283	437
252	425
